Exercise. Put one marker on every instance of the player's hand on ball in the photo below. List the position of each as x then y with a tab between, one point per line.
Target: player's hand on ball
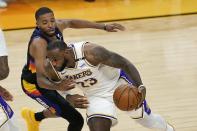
66	84
114	27
142	90
77	101
5	94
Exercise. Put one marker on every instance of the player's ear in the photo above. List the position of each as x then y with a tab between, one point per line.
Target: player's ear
66	51
37	24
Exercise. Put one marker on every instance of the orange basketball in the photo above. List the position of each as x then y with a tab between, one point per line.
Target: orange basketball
126	97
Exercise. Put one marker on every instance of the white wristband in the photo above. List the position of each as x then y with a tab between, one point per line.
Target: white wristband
105	26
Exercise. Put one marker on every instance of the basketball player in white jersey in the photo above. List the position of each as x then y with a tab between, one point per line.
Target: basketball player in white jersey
98	71
7	122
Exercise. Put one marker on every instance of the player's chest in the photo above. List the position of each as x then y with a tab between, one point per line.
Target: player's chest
78	74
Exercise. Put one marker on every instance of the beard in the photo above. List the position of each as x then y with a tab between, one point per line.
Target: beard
50	34
63	66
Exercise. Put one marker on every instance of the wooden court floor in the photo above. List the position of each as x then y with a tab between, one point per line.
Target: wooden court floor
20	13
163	49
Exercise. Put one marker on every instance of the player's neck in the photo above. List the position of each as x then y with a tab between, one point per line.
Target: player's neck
71	60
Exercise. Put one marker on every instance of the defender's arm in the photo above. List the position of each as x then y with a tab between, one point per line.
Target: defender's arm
76	23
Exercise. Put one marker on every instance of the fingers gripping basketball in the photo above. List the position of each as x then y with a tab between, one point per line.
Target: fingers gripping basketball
126	97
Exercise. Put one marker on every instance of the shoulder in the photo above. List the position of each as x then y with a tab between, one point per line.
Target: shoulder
38	45
62	24
38	41
59	22
91	47
94	49
94	53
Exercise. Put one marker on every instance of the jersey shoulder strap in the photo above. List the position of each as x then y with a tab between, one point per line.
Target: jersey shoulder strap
78	49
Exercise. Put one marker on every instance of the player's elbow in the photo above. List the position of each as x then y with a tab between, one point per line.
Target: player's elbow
4	72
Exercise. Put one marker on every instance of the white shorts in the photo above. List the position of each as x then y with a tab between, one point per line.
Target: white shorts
10	125
7	119
3	49
104	106
3	116
101	107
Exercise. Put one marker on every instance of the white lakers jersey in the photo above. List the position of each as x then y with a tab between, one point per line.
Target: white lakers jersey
97	80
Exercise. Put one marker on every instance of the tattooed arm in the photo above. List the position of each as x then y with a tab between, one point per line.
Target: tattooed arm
99	55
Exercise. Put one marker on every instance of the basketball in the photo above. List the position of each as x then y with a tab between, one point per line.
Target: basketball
126	97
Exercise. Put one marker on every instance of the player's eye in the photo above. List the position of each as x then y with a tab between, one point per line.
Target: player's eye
52	20
44	22
55	60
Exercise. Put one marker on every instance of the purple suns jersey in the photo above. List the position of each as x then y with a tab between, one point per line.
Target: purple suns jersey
29	70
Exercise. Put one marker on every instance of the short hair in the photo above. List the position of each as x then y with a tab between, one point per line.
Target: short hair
42	11
57	44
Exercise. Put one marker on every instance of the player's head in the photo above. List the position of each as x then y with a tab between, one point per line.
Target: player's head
59	54
45	20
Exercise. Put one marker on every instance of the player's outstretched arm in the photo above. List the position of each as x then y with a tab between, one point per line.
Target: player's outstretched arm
76	23
99	55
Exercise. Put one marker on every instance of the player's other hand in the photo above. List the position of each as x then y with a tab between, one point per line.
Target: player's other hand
78	101
5	94
142	90
66	84
114	27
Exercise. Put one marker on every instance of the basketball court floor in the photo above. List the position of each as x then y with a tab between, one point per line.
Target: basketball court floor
164	49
